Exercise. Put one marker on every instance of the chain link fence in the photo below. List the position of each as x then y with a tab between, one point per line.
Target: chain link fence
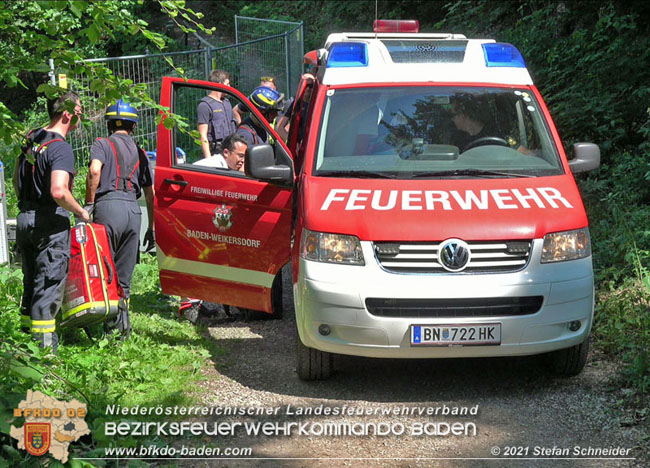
267	47
281	53
141	69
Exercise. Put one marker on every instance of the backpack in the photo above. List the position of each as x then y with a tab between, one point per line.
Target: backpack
27	167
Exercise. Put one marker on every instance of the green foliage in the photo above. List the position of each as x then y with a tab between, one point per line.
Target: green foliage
65	31
617	204
21	364
322	17
156	366
622	326
587	62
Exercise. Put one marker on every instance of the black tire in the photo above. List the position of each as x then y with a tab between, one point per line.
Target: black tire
312	364
569	361
276	296
250	315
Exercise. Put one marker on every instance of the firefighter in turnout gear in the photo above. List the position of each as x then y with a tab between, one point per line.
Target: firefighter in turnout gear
269	102
43	178
119	172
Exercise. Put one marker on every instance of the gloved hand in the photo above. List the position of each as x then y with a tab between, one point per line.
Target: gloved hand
149	240
89	207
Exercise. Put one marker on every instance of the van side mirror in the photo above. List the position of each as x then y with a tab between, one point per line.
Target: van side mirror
260	164
586	158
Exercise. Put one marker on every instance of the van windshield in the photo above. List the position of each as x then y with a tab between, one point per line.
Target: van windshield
438	132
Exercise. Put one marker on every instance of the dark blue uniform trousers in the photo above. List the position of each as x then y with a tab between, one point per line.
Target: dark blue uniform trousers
43	237
120	213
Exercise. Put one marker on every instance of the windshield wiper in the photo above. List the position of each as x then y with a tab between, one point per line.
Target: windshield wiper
356	174
469	172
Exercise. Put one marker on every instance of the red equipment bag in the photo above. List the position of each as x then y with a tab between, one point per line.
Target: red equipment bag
92	292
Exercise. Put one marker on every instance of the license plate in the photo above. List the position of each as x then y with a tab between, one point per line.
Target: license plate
464	335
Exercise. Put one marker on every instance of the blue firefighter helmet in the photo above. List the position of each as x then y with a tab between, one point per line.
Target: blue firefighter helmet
265	98
122	110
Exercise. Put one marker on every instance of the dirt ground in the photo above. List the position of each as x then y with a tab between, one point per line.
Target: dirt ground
519	415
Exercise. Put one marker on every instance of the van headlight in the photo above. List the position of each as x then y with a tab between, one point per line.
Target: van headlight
331	248
567	245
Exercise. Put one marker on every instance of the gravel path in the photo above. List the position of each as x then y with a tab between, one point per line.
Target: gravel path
517	405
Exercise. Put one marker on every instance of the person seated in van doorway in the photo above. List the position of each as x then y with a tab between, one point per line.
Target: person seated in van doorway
215	117
234	153
269	102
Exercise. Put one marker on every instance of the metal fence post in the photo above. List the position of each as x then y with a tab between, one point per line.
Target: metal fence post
287	56
51	73
301	38
208	62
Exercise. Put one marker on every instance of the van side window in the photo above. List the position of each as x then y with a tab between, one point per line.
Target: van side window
194	103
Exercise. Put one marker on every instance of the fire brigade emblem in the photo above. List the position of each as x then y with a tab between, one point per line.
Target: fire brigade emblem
222	219
37	438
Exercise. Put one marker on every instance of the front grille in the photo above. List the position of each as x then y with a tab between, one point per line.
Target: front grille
421	257
447	308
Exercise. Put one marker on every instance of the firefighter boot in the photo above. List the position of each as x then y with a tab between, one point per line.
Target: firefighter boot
123	322
47	341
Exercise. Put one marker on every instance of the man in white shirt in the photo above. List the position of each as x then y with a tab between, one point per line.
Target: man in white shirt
234	152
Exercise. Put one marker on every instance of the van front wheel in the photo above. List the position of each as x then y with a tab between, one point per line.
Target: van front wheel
569	361
312	364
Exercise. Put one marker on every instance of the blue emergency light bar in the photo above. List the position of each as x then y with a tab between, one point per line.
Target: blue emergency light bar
501	54
348	54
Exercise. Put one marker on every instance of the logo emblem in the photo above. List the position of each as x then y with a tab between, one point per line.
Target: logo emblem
222	219
37	438
454	255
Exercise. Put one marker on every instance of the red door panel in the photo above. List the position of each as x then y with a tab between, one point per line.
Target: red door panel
220	236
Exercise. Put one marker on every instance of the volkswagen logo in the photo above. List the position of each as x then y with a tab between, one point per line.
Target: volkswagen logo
454	255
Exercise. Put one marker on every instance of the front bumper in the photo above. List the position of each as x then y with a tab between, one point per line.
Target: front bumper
336	295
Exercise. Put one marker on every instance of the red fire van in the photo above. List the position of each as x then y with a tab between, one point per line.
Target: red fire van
424	200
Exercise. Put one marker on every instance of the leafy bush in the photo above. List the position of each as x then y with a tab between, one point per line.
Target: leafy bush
622	326
617	204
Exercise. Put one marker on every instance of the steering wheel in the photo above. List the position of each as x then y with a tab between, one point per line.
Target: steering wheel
486	140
